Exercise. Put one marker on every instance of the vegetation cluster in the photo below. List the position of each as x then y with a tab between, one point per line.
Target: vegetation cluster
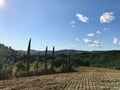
16	64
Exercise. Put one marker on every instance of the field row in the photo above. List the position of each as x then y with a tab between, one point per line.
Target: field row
94	80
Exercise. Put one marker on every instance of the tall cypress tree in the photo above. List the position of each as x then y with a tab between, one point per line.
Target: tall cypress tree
53	56
28	56
45	60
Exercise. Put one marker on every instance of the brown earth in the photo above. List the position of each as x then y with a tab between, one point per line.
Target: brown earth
87	78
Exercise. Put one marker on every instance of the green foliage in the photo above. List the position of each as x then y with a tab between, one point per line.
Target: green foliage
35	72
60	59
20	65
64	68
15	71
13	63
36	65
22	74
7	70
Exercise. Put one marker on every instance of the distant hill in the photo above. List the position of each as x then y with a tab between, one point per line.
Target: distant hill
56	52
109	59
8	54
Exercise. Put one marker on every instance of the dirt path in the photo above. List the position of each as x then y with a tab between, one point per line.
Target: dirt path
86	79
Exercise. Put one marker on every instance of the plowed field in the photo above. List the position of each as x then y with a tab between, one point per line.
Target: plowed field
87	78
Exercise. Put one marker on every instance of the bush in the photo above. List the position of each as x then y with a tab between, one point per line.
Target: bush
36	66
117	67
15	71
22	74
7	69
35	72
20	65
64	68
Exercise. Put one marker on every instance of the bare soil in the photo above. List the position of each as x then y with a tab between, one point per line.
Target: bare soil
87	78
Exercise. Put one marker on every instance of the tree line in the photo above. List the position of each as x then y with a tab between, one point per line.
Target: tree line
43	64
16	64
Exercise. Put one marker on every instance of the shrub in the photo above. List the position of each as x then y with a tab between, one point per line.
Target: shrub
15	71
64	68
117	67
22	74
20	65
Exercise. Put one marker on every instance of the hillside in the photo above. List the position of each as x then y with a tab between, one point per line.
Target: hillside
13	63
8	57
87	78
108	59
8	54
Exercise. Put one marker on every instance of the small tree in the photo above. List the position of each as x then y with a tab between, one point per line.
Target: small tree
28	56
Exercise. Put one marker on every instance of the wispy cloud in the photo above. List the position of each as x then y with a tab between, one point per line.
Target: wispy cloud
77	39
107	17
98	32
72	45
87	40
90	34
72	26
116	41
106	29
95	43
72	23
82	18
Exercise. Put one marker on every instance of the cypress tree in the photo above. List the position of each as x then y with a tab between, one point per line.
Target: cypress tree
45	60
28	56
53	56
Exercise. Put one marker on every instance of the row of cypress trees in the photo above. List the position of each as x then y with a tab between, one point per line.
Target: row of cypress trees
22	69
45	59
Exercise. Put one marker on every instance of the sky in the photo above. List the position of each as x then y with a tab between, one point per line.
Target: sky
65	24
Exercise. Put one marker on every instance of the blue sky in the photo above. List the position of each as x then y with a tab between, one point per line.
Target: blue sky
65	24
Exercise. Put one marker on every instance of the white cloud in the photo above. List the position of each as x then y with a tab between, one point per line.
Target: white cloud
116	41
77	39
107	17
106	29
93	43
87	40
82	18
96	44
98	32
90	34
72	24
